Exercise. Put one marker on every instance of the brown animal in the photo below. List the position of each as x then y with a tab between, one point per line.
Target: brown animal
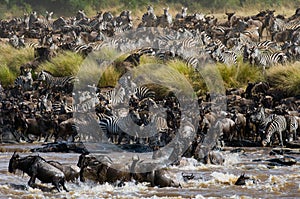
37	167
71	173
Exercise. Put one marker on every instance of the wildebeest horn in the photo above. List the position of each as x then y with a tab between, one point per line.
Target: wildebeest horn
15	155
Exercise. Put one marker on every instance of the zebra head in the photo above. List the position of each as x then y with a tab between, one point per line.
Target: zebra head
42	76
264	142
166	13
258	116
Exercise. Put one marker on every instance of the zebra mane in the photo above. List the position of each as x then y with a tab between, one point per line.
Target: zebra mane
48	72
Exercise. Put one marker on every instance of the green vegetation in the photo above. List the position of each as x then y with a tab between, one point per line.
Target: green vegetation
176	72
64	64
286	78
10	61
234	77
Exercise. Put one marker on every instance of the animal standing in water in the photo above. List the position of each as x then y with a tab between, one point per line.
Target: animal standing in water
37	167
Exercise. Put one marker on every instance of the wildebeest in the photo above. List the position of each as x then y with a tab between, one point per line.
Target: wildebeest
37	167
71	173
102	169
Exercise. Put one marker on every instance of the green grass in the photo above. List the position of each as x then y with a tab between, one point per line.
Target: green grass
285	78
10	61
164	78
64	64
238	76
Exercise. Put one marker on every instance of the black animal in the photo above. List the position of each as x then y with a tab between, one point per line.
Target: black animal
71	173
37	167
241	180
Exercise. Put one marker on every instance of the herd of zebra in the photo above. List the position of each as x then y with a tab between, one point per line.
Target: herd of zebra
264	39
48	107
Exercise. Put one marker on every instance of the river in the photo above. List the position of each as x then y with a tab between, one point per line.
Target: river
210	181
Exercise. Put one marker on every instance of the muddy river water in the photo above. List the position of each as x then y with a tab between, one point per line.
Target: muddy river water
210	181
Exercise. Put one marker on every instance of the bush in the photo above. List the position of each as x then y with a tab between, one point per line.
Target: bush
64	64
238	76
7	77
285	78
10	61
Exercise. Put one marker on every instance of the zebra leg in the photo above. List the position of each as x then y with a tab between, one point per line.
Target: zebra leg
280	138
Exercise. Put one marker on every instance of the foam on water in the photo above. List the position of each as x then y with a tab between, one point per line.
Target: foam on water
224	178
231	159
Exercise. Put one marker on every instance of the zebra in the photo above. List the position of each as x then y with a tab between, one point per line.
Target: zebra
87	104
181	15
149	18
292	127
116	127
261	121
55	82
83	49
269	45
165	20
143	92
266	58
278	125
24	81
31	45
227	57
17	42
60	107
115	96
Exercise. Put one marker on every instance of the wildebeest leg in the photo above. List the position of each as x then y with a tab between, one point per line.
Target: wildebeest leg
62	182
81	177
56	184
32	180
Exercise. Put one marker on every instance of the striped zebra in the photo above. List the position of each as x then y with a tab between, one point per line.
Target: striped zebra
56	82
269	45
266	58
279	25
205	38
87	104
143	92
149	18
31	45
292	127
17	42
59	108
83	49
115	96
24	81
278	125
227	57
116	127
261	120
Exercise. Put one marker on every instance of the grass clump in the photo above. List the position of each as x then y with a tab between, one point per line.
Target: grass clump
238	76
6	76
285	78
64	64
10	61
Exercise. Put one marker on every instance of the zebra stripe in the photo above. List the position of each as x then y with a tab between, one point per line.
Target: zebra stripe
292	126
52	81
143	92
25	80
115	127
278	125
267	58
17	42
115	96
259	118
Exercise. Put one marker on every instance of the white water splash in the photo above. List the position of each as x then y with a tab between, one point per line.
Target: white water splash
224	178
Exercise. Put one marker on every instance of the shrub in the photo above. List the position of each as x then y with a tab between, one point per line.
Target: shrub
285	78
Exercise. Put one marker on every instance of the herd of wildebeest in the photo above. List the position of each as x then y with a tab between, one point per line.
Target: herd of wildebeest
43	107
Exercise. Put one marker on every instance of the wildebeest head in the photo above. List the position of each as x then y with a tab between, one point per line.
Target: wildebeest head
12	167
